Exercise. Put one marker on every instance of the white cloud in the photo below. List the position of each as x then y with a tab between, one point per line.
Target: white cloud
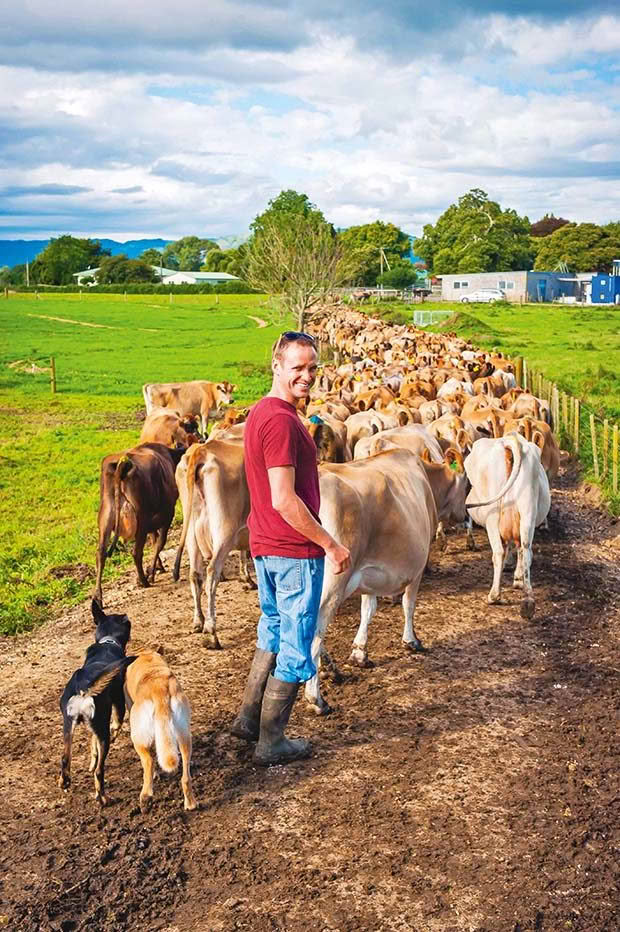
230	119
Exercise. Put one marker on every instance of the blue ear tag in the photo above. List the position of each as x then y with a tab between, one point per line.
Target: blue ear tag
315	419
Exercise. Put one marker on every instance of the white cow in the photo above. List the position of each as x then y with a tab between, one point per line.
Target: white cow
510	497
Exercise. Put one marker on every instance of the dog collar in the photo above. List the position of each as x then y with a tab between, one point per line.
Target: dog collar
108	640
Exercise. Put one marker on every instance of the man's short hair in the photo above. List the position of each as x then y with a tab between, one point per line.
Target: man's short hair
292	336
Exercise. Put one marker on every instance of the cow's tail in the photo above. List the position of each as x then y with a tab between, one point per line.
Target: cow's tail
187	511
513	443
147	398
123	467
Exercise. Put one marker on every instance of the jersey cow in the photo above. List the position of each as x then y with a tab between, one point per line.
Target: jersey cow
509	497
168	427
385	509
137	498
197	397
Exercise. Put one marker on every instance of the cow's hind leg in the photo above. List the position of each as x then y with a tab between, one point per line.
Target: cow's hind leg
158	565
497	548
328	609
214	571
525	559
196	579
138	554
410	595
159	542
244	570
359	654
469	527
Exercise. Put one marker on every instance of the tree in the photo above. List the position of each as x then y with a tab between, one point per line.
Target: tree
286	204
401	276
152	256
115	270
476	235
296	255
226	260
62	257
367	242
582	247
187	254
547	225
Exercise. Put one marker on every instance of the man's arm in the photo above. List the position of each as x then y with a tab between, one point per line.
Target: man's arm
288	504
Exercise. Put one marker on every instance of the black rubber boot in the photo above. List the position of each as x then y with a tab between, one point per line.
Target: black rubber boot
247	723
273	747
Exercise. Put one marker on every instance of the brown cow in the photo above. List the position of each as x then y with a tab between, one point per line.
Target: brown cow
197	397
138	493
168	427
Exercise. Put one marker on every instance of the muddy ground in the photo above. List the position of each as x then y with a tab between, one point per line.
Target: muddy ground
472	788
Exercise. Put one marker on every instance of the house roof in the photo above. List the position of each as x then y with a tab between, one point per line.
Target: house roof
166	273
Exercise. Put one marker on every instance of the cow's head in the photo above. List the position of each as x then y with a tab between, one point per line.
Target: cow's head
449	484
225	392
324	440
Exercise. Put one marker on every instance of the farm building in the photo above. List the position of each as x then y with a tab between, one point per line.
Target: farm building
583	287
606	288
517	286
170	277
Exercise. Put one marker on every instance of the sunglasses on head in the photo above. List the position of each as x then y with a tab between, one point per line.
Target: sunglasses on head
293	336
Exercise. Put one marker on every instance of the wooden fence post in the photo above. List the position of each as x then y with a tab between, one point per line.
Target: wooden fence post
614	459
576	425
555	407
605	445
594	451
525	375
571	415
519	371
53	375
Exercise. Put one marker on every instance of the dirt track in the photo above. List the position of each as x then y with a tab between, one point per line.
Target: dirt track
471	789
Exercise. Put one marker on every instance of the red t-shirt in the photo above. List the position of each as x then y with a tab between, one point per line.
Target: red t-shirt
274	436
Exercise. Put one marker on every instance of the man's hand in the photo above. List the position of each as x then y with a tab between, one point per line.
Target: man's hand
339	557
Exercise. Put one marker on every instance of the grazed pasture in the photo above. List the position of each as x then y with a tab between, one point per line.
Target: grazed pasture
51	446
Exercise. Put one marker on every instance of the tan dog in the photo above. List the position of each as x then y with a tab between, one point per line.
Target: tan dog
160	718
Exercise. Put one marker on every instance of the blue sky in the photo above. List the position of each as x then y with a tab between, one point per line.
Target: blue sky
164	120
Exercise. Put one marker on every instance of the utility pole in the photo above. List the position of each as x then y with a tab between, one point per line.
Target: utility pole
383	258
27	274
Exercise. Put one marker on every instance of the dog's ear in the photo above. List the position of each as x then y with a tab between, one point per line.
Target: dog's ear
98	613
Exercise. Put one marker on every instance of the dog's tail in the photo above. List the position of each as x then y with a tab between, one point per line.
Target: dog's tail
82	705
166	714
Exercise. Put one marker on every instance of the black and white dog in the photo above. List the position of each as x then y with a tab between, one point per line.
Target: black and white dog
93	692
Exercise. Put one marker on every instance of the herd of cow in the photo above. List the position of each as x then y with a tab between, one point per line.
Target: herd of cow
412	430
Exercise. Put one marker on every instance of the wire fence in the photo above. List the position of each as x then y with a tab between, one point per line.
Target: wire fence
594	440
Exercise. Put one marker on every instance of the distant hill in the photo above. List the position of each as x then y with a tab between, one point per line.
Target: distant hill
18	251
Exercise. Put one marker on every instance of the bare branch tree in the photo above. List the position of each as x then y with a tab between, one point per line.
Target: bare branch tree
299	258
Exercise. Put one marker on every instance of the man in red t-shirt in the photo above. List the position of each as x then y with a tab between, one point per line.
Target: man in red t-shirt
289	546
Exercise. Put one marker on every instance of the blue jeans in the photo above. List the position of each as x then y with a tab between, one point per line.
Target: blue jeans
289	591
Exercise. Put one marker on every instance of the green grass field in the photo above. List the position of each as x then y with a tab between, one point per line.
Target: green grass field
51	446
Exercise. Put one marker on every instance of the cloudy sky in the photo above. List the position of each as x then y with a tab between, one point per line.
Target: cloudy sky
137	118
